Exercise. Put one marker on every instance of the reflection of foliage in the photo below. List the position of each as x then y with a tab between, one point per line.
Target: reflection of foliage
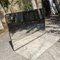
23	4
27	4
4	3
20	5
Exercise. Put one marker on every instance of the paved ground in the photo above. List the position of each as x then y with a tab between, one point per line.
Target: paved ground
53	53
6	52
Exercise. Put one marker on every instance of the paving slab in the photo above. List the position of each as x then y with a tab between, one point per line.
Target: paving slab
53	53
34	49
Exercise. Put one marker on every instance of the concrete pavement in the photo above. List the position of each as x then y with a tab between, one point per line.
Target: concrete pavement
6	52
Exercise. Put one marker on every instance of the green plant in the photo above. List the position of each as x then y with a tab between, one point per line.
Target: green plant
27	5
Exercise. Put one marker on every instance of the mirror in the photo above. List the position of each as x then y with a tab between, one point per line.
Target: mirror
24	23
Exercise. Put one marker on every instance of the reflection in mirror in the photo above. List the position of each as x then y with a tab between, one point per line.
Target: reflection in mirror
23	24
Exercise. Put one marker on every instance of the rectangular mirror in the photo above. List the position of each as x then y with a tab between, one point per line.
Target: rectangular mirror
25	24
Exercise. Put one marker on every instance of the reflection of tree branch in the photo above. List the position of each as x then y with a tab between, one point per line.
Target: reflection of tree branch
4	9
12	3
2	4
1	17
36	1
